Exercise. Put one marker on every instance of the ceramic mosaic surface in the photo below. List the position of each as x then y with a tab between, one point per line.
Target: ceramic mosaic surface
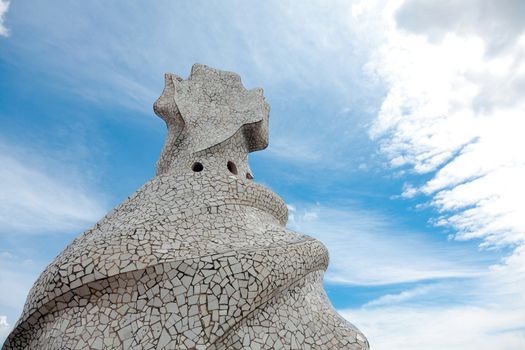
199	257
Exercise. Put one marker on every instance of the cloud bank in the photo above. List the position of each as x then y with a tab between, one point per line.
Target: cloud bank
454	111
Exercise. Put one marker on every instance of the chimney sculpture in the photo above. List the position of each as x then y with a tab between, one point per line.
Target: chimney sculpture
199	257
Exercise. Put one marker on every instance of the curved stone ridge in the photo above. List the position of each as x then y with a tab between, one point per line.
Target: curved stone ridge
198	258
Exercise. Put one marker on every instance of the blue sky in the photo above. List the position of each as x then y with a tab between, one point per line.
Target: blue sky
395	138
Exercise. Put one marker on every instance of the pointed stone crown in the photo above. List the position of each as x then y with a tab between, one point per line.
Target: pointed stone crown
205	110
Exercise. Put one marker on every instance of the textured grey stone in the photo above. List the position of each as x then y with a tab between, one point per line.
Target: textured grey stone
199	257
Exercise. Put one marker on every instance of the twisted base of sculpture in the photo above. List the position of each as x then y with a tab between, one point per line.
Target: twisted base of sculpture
222	272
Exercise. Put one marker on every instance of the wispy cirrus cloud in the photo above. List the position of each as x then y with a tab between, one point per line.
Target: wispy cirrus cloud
454	297
43	196
369	249
406	295
486	312
38	195
4	7
458	327
116	60
123	68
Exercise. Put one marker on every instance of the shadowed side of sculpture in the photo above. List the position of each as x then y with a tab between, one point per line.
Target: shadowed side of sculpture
199	257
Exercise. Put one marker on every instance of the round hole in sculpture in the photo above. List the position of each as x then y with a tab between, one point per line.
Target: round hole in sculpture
196	167
249	176
232	167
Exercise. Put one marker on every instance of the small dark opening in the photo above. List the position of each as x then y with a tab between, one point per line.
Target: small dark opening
197	167
249	176
232	167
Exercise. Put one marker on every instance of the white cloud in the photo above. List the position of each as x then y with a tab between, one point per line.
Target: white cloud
389	299
17	275
436	328
16	278
4	7
5	328
35	198
471	303
452	117
499	23
3	321
455	112
123	61
367	248
296	150
485	312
